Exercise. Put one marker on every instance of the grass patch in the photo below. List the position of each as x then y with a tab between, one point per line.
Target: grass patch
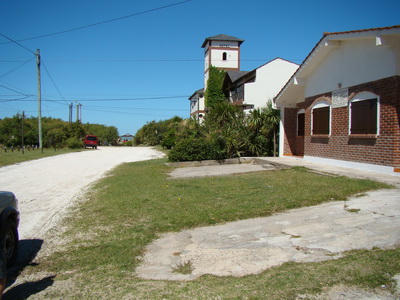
109	232
15	157
185	268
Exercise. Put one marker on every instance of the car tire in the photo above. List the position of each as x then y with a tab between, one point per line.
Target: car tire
11	241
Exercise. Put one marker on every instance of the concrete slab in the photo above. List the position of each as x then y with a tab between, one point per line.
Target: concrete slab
308	234
393	179
219	170
303	235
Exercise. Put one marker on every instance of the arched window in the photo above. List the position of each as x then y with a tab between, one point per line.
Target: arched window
224	56
300	122
364	114
321	118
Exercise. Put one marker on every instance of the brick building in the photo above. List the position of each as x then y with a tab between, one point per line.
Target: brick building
342	105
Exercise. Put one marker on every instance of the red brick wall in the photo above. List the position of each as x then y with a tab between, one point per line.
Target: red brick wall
381	150
290	119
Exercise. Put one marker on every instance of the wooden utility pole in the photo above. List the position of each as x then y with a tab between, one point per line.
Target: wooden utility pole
39	100
22	132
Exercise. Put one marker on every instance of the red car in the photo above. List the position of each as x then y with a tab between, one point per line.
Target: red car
90	141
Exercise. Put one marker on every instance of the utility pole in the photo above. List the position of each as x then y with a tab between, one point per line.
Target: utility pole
39	100
70	113
77	112
22	132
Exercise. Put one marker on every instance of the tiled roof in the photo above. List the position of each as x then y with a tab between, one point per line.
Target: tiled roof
362	30
235	75
199	92
222	37
326	34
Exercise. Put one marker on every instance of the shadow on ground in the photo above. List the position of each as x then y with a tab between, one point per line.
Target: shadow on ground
28	249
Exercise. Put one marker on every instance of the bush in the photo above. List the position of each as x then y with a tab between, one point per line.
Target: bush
169	140
195	149
74	143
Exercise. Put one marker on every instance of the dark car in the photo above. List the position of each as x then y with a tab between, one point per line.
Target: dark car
90	141
9	222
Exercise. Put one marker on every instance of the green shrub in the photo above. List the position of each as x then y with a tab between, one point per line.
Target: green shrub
169	139
74	143
195	149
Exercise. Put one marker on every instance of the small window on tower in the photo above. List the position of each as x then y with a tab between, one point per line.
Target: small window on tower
224	56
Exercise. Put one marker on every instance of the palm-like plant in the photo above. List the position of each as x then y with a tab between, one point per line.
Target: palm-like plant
272	118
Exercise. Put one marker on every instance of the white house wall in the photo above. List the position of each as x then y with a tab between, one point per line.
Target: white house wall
206	59
353	62
197	104
270	79
232	59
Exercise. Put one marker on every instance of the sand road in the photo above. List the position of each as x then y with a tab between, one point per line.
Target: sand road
47	187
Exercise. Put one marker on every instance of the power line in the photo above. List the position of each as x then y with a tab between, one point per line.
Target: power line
15	91
16	42
51	78
106	108
130	113
13	100
140	60
19	66
99	100
100	23
135	98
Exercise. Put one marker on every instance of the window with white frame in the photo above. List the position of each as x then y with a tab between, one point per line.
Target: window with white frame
364	114
321	118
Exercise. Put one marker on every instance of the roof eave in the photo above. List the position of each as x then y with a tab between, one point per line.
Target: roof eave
320	50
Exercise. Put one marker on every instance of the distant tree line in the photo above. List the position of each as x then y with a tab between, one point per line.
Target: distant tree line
56	132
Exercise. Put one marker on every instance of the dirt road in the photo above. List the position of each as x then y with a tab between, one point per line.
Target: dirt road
46	188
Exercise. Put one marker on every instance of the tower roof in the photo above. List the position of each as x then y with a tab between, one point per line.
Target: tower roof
222	37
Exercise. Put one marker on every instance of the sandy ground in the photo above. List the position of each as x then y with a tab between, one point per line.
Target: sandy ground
47	187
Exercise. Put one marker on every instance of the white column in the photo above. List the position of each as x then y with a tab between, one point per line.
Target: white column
281	132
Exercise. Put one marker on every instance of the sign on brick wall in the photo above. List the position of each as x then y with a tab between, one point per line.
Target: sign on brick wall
340	97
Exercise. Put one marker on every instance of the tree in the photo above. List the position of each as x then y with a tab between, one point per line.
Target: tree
225	125
10	131
214	93
56	132
272	120
55	137
154	133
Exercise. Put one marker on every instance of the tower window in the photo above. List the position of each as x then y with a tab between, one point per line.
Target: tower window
224	56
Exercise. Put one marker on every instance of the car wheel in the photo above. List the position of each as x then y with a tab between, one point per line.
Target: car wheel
11	242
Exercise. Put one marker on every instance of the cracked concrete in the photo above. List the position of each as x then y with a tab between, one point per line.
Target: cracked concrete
309	234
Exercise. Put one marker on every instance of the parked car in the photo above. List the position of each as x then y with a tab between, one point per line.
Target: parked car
90	141
9	222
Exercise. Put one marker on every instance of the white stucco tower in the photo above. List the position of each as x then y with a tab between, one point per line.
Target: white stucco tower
221	51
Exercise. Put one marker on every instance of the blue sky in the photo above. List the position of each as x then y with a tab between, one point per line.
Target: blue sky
143	67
